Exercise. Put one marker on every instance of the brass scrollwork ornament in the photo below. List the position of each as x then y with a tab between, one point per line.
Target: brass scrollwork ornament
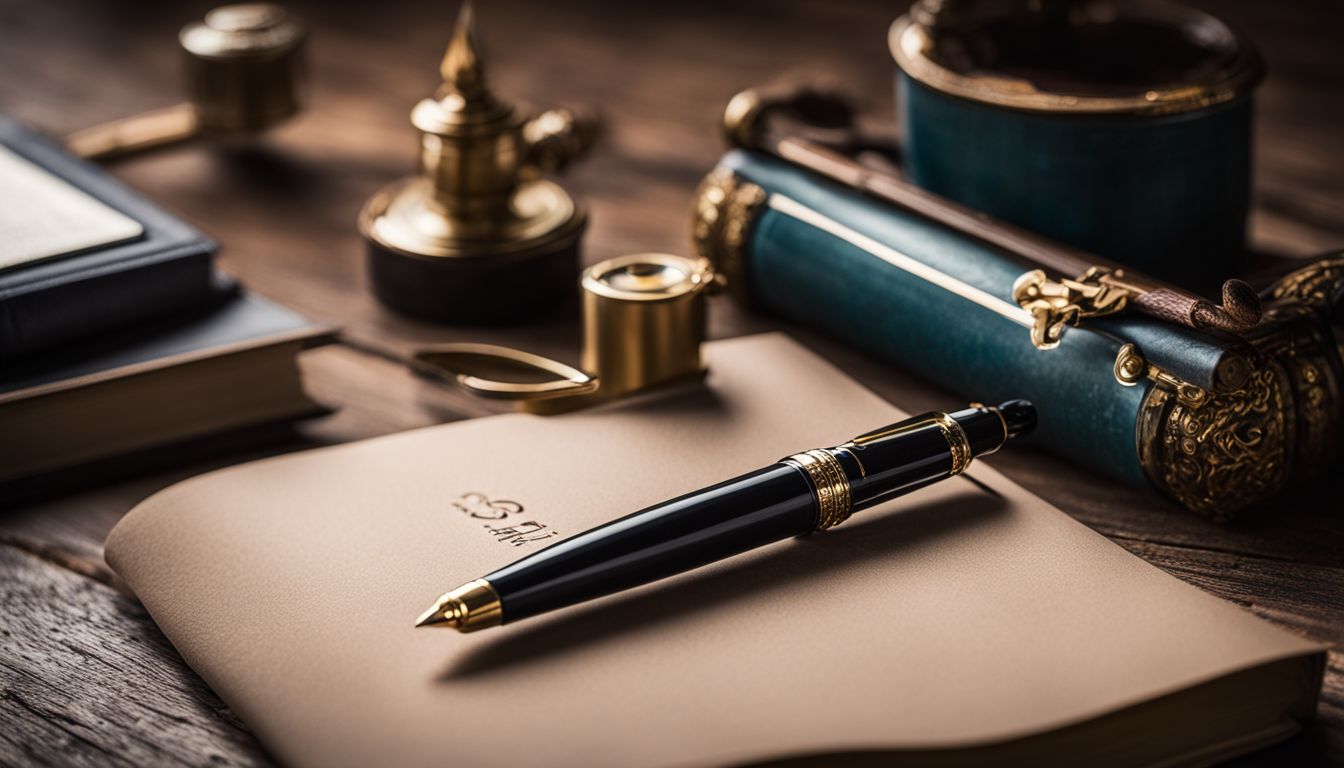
1230	450
1318	288
725	209
1224	452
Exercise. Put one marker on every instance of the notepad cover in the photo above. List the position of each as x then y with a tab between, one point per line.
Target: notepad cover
969	614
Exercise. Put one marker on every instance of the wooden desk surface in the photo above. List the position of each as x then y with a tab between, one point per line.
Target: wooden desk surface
86	677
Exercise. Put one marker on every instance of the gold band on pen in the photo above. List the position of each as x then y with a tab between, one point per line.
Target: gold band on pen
1002	421
957	444
830	486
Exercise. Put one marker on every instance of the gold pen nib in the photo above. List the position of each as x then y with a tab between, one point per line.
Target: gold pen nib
472	606
442	614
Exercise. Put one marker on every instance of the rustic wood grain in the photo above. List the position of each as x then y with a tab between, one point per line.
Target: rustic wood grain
374	396
85	678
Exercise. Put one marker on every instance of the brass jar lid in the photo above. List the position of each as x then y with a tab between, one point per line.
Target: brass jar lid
244	67
1138	57
646	277
244	30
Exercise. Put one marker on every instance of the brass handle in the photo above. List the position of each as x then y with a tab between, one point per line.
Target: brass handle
147	130
485	370
557	137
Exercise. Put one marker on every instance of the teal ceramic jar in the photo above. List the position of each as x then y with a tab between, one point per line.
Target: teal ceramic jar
1122	128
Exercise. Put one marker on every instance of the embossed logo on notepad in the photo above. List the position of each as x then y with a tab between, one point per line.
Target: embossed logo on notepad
517	533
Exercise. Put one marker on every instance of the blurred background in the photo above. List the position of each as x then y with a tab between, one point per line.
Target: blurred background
659	73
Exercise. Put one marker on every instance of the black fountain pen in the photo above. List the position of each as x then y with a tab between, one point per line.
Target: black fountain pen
809	491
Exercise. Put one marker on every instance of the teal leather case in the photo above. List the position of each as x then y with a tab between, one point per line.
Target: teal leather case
940	304
1168	194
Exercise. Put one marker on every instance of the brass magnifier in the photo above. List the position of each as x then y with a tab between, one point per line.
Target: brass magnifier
244	71
643	325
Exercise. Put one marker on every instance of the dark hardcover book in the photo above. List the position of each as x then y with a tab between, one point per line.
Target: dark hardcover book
135	392
83	253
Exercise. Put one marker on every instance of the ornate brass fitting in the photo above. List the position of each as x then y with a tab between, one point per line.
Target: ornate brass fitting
1056	304
1217	453
476	236
643	324
244	66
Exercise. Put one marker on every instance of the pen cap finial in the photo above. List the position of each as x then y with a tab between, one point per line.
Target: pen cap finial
1019	418
988	427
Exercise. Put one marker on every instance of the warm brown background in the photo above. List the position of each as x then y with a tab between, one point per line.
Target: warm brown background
86	678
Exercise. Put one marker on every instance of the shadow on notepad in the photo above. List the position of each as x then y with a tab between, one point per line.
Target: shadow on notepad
869	536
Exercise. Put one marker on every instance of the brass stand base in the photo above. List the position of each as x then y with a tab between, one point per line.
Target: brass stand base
484	290
419	266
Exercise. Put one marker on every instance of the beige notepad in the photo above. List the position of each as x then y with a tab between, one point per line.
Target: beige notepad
968	623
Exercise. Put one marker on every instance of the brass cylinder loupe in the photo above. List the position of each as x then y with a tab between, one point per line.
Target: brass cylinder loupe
643	326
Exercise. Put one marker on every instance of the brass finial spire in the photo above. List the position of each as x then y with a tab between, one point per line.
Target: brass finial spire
462	70
478	195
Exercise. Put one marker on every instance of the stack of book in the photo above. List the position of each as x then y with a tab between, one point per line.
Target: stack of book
118	339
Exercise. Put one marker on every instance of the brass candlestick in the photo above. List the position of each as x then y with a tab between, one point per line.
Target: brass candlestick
476	236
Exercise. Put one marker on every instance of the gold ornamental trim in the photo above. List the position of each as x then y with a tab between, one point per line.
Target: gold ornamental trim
913	47
1221	454
830	486
724	210
1057	304
957	444
1316	286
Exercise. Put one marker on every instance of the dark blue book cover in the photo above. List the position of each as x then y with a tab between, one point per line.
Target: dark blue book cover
44	303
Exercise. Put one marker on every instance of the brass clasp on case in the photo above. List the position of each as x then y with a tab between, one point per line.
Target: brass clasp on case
1131	367
1056	304
643	324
